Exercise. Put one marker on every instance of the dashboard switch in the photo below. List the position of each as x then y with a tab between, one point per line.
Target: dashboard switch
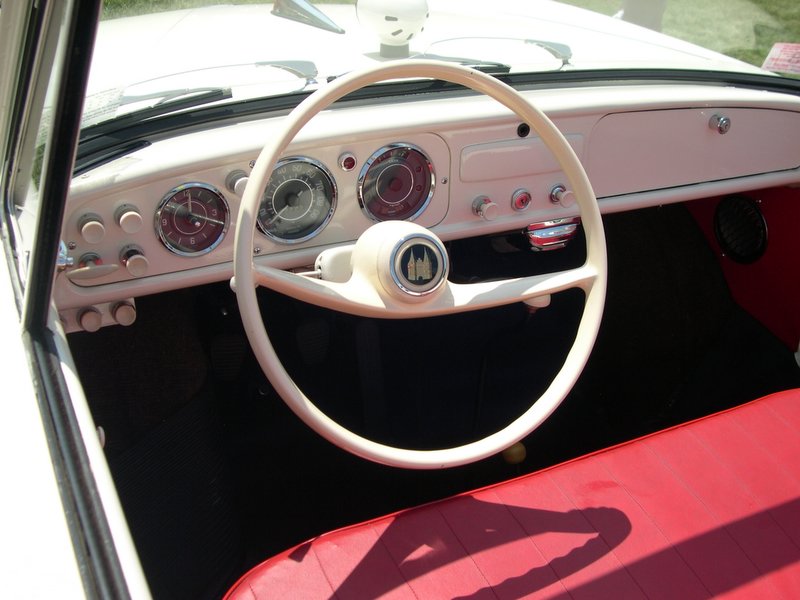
90	266
91	228
236	181
124	313
134	260
486	209
561	195
90	319
128	218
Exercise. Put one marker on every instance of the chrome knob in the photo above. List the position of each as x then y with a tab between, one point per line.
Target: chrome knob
720	123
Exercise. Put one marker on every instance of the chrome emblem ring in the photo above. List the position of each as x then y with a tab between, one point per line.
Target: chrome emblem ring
419	265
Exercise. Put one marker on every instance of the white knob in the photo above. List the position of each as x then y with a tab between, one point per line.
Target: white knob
137	264
236	181
124	313
92	229
90	319
561	195
485	208
130	220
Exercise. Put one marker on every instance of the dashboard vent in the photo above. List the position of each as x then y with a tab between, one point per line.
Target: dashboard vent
740	229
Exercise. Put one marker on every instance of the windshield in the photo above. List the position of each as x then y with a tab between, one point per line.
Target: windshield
160	56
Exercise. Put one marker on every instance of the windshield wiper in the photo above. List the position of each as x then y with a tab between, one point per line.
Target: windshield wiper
489	67
560	51
179	99
174	100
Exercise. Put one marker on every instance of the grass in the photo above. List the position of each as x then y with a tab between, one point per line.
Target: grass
744	29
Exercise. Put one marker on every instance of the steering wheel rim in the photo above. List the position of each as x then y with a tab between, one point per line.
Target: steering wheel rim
591	277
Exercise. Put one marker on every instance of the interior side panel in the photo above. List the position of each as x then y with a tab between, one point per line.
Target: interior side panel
765	287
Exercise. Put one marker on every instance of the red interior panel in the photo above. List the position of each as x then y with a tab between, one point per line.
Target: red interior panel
707	508
769	288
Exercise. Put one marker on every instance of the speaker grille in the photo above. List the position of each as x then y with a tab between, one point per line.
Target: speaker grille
740	229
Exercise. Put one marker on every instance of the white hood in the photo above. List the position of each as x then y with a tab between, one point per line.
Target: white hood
227	46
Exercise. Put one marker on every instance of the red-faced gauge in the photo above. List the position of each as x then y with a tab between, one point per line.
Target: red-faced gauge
396	183
192	219
299	200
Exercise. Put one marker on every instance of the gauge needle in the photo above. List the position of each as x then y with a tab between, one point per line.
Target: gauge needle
277	215
206	218
189	200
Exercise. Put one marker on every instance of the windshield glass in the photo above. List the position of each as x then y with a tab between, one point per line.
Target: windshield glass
165	55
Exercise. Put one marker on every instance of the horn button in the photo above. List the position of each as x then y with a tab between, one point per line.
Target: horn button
403	259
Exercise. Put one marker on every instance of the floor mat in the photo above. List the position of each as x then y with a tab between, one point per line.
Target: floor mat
178	496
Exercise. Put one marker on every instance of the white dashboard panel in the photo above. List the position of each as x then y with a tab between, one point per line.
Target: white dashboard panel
650	150
641	145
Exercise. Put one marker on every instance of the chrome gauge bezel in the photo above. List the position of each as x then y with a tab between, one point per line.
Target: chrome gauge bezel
365	169
325	172
163	237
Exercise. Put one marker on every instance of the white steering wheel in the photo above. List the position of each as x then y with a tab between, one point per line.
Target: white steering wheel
379	287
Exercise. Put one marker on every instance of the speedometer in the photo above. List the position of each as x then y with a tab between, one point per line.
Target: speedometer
396	183
299	200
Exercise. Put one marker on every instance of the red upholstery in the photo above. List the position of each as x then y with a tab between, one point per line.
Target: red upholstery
704	509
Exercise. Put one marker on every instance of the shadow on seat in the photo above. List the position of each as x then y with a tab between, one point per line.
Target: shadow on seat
702	509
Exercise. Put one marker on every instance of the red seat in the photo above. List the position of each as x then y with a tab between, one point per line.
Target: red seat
707	508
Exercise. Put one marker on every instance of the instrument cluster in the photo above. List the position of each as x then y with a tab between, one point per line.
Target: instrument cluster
315	197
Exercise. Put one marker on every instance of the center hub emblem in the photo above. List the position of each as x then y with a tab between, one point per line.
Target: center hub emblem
419	265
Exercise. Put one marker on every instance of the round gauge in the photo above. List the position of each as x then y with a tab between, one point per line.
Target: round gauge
396	183
299	200
192	219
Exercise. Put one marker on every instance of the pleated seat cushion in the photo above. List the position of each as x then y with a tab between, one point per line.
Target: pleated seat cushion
707	508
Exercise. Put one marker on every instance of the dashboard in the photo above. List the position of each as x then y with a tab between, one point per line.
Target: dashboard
163	217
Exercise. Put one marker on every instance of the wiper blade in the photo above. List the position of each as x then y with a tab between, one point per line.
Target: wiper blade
175	100
178	99
486	66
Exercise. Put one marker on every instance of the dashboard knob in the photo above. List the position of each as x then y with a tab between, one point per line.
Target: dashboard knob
236	181
486	209
720	123
129	219
90	319
124	313
134	260
561	195
91	228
